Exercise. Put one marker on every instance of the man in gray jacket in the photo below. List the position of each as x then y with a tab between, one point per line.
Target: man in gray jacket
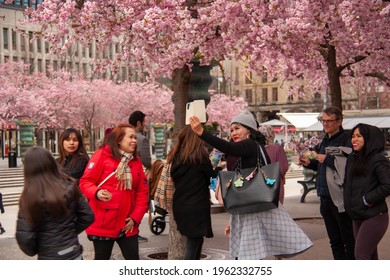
137	119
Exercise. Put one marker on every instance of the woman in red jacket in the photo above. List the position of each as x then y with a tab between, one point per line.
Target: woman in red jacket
117	190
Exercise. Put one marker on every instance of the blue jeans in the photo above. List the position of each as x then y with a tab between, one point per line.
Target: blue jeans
339	229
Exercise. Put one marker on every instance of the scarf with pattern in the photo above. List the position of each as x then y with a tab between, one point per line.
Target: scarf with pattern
123	172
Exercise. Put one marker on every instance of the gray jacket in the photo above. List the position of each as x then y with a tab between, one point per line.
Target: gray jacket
335	178
144	150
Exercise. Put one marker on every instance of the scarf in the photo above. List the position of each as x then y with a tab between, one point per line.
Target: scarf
123	172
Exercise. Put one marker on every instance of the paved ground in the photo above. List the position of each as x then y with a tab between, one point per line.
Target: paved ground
306	215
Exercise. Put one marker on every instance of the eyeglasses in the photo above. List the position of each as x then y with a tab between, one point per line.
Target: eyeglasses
328	121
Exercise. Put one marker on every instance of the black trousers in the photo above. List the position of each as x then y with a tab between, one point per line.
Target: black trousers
193	248
128	246
339	229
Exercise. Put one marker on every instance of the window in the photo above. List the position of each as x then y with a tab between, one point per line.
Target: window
264	77
55	65
39	46
290	98
274	94
237	93
31	65
24	3
5	38
372	102
30	38
47	65
39	65
248	96
22	43
248	77
264	94
14	36
237	76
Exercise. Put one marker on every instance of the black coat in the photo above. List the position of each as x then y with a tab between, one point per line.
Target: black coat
78	170
191	199
56	239
373	184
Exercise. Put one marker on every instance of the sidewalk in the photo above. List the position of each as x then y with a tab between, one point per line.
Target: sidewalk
306	215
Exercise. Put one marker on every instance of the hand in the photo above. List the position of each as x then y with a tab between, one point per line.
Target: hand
321	158
129	225
104	195
227	230
304	161
196	126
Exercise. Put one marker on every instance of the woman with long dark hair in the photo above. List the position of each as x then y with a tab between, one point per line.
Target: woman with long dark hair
191	171
52	210
72	155
366	186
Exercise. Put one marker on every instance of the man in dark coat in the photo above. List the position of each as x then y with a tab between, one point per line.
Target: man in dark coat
338	224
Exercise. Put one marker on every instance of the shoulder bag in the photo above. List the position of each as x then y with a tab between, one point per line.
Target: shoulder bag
164	191
251	190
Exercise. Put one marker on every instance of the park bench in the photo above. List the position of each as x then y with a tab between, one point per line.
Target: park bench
308	185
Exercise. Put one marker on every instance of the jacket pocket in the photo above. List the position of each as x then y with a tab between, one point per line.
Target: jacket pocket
107	214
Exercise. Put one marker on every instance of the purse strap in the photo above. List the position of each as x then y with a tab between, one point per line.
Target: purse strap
108	177
259	148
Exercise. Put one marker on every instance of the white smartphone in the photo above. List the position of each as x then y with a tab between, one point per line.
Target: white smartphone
196	108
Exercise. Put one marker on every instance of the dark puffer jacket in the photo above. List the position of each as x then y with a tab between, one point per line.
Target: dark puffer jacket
374	184
56	239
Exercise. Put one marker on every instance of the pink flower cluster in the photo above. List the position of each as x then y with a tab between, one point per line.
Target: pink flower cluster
305	148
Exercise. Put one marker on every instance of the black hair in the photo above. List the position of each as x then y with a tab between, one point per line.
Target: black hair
136	116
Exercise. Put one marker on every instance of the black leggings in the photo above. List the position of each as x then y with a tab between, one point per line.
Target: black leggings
193	248
368	234
128	246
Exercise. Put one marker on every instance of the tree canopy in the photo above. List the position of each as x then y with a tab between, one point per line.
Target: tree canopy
321	41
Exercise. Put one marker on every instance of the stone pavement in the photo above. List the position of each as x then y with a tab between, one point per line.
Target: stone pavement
305	214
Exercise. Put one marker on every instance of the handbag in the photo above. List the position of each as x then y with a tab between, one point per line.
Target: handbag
164	191
251	190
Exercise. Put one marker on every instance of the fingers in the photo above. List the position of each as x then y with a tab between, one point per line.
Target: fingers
129	225
196	125
104	195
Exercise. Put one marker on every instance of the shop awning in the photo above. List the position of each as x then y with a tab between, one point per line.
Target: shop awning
275	122
350	121
301	121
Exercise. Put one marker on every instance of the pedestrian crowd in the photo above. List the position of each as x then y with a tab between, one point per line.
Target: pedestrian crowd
107	195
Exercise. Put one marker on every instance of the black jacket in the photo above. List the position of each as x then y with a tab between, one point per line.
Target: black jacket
373	184
191	198
341	138
78	170
56	239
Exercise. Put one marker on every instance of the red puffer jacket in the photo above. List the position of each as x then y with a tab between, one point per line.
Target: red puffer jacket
110	216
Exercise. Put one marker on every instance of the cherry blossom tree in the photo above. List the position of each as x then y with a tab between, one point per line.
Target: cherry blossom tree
320	41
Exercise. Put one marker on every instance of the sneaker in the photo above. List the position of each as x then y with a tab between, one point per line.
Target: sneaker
142	239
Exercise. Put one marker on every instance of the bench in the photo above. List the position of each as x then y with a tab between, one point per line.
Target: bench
308	185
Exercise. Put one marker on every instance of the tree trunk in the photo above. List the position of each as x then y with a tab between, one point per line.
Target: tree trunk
334	78
180	84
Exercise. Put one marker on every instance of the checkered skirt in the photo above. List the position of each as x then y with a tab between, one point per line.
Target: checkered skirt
271	233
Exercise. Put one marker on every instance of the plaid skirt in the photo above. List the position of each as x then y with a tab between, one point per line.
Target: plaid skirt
256	236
